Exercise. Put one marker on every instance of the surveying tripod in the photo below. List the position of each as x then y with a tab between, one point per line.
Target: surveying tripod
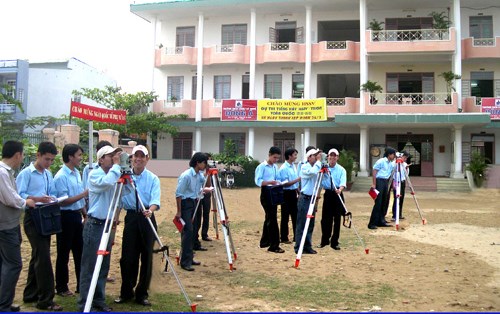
126	178
310	212
218	207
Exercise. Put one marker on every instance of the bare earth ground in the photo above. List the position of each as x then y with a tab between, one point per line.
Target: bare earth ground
450	264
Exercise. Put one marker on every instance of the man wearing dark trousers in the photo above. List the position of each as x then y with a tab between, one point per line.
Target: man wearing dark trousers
138	237
11	205
382	170
267	175
291	191
203	211
68	182
334	182
36	182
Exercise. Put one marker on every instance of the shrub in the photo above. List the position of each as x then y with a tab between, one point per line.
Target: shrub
477	167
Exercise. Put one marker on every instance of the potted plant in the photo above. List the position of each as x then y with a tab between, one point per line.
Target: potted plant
347	160
371	87
173	99
450	78
440	22
477	167
376	27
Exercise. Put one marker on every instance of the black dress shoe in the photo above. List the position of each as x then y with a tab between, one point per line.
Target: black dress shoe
207	239
103	308
200	248
187	268
310	251
321	245
196	263
384	225
264	245
336	247
121	300
372	227
144	302
15	308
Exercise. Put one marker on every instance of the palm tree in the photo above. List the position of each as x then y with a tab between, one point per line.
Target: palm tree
450	78
371	87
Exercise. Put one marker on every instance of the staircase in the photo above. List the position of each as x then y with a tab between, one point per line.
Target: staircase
420	184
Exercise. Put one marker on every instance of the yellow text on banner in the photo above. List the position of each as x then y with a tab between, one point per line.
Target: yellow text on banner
291	109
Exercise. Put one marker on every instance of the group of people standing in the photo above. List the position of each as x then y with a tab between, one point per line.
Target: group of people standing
299	182
84	211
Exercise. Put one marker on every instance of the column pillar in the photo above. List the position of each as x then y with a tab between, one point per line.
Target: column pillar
307	135
363	59
307	72
251	141
197	139
457	58
199	69
363	151
458	152
253	19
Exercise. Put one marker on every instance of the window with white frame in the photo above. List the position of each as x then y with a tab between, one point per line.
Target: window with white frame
237	138
272	86
222	86
185	36
175	88
11	91
481	26
234	34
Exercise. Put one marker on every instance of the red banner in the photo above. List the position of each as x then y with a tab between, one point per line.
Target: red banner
491	106
87	112
239	110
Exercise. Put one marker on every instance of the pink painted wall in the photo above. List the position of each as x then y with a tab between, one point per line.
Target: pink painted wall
469	105
240	55
411	46
320	53
470	52
188	56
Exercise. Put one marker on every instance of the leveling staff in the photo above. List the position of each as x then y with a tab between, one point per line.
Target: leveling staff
138	237
101	185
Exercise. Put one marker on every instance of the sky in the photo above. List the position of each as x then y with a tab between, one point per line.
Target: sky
102	33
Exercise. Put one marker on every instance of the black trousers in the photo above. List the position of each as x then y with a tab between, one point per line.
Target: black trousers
377	217
70	239
288	210
270	230
202	212
40	283
331	215
401	200
137	245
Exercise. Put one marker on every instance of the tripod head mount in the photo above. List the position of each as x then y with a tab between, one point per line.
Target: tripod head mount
212	171
324	168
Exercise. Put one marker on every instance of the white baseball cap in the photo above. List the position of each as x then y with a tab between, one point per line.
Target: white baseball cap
333	150
312	152
140	148
107	150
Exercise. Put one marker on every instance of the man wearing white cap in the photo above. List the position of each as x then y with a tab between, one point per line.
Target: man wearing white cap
308	174
138	237
334	182
101	189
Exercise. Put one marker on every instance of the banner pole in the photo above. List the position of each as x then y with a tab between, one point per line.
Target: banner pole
91	143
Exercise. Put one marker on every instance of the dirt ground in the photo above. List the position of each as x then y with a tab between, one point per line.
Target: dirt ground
450	264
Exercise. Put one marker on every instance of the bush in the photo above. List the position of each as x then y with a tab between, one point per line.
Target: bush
477	167
246	178
346	160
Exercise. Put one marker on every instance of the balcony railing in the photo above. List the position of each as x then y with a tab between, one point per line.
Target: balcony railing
335	101
225	48
174	50
411	35
481	42
172	103
280	46
8	108
336	45
410	99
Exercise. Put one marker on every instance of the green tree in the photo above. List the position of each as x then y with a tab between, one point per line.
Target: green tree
139	120
477	166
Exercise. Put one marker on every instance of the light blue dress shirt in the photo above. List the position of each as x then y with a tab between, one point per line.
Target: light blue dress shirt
86	172
337	174
31	182
266	172
384	168
289	173
68	183
148	188
101	190
308	175
189	184
402	174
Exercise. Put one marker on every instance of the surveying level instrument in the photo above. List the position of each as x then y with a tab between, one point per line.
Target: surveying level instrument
125	178
310	211
219	207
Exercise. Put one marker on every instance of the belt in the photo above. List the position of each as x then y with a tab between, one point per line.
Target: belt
305	195
96	221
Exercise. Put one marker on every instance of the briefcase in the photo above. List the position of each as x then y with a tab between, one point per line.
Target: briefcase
47	219
276	194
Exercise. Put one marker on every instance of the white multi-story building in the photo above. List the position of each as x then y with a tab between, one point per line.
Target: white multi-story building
207	51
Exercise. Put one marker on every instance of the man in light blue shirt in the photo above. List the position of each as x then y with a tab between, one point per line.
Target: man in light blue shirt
189	185
102	182
291	192
68	183
36	182
89	167
334	182
138	237
382	170
267	175
308	175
